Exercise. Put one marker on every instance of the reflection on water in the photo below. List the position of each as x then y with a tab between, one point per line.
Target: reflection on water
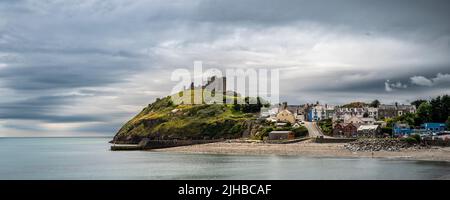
90	158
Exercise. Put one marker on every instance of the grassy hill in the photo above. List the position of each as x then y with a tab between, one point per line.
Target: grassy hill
165	120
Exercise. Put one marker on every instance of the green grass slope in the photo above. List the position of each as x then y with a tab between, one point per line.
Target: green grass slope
165	120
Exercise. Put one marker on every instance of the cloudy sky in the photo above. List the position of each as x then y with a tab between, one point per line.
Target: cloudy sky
78	68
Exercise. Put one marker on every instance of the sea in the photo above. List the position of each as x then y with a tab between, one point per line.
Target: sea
91	159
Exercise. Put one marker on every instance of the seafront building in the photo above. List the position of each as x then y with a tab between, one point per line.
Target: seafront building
320	112
345	130
433	127
369	130
401	129
281	135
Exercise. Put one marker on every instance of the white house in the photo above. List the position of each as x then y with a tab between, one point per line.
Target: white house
353	120
264	112
360	120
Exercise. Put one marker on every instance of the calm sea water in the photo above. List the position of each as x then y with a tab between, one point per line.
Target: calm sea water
90	158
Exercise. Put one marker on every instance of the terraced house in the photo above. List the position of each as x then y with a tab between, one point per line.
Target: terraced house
391	111
343	113
345	130
320	112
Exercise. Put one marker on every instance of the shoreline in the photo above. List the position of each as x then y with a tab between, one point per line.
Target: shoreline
310	149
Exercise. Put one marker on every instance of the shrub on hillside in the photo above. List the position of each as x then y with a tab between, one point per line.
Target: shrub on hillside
417	137
300	131
327	126
386	130
410	140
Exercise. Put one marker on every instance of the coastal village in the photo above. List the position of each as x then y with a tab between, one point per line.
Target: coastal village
354	120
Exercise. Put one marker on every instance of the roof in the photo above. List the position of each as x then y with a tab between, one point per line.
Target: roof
354	117
367	127
368	119
286	111
347	124
281	132
342	124
434	124
405	107
385	107
398	107
401	125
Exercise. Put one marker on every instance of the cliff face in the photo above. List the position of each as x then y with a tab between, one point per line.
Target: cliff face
164	120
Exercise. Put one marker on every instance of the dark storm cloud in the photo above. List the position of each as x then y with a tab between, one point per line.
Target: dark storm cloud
54	77
384	14
45	108
376	84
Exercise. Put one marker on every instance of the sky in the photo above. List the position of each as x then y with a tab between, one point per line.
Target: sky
83	68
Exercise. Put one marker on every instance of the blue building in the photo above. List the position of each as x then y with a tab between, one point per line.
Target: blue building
401	129
433	127
319	112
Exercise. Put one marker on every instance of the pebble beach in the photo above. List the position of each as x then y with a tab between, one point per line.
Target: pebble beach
311	149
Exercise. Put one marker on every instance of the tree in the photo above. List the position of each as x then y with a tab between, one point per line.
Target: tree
355	105
408	118
250	106
326	125
418	102
300	131
387	130
424	113
389	122
445	103
375	103
448	123
237	107
436	108
366	114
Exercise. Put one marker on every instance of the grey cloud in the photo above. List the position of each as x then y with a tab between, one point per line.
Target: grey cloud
440	79
383	82
53	47
23	127
381	14
45	108
103	128
421	80
53	77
